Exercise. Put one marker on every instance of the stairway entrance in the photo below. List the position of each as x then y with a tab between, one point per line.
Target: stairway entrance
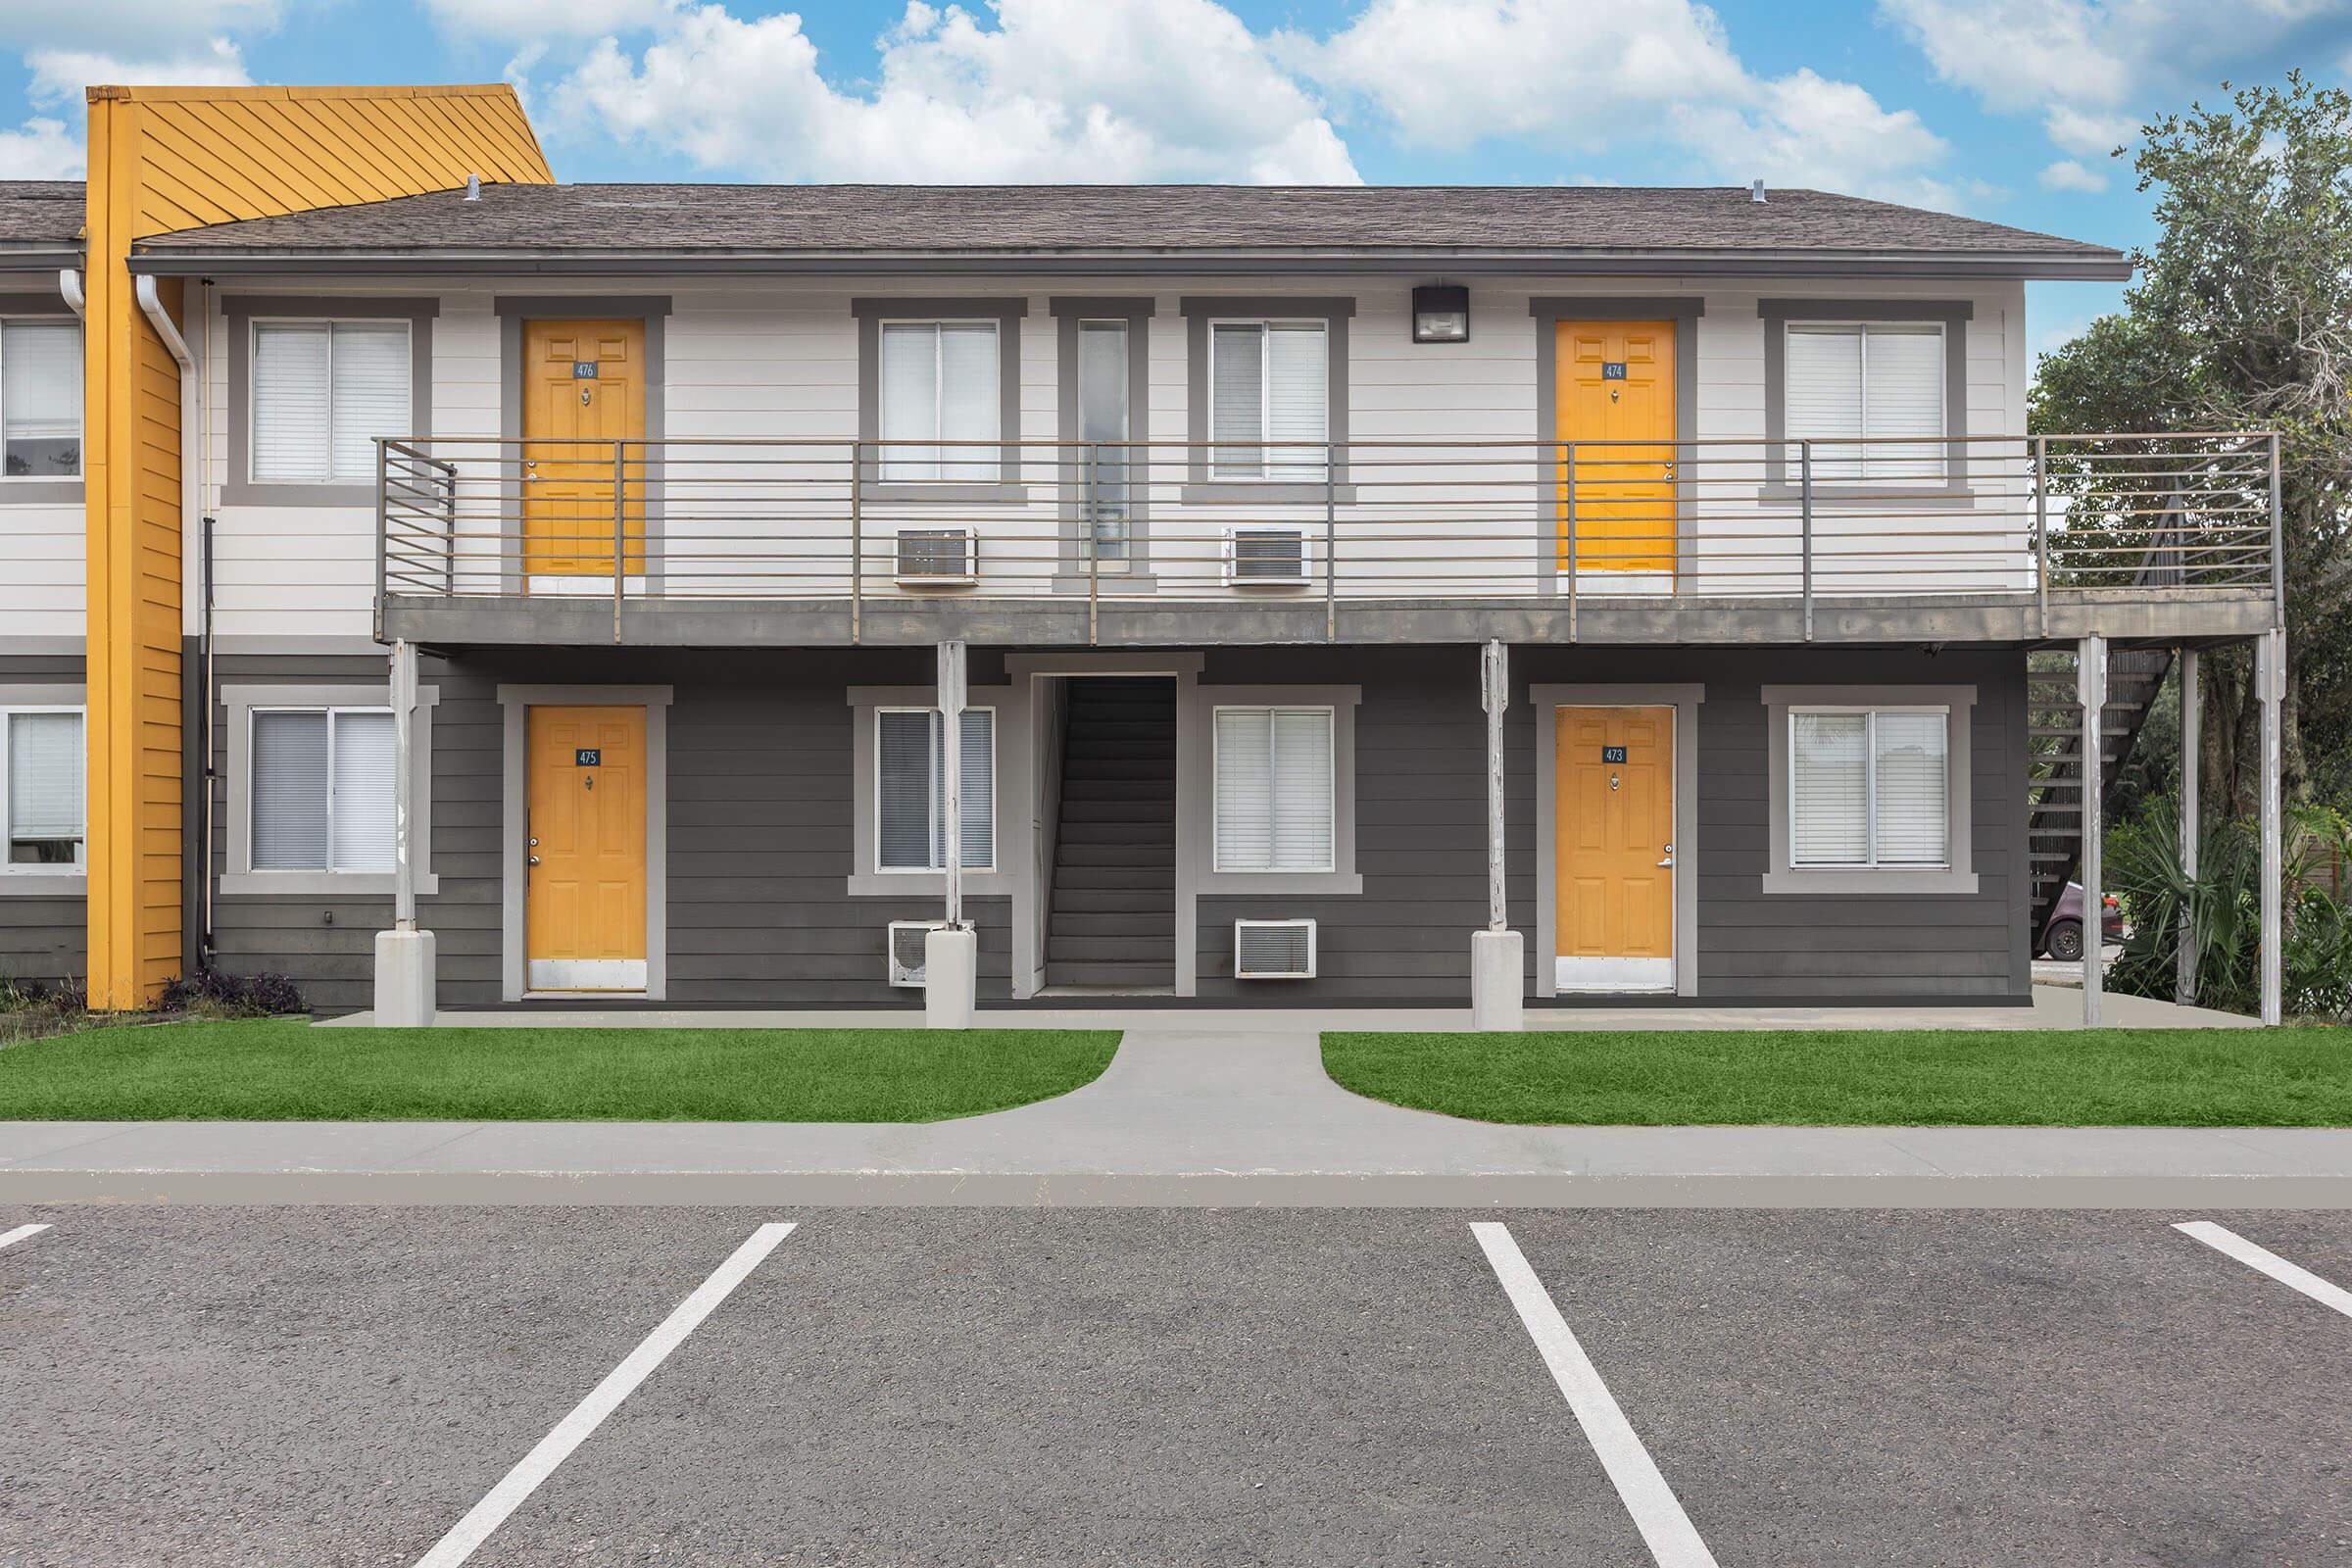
2054	779
1110	904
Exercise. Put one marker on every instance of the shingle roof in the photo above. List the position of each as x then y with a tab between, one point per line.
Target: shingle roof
40	211
814	220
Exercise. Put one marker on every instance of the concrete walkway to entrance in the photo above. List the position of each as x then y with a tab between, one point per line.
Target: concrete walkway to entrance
1206	1107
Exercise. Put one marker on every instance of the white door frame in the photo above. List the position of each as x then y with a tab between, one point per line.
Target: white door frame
1683	698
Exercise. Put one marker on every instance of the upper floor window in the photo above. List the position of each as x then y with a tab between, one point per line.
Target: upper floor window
1868	787
910	781
941	383
1870	380
40	399
41	787
1269	382
322	392
321	790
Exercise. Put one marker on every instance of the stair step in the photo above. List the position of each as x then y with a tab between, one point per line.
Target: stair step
1136	922
1116	809
1134	976
1070	898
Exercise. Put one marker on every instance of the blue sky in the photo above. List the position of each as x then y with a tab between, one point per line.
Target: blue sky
2000	109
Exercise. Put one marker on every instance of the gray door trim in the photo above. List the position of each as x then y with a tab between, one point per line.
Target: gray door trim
515	703
1683	698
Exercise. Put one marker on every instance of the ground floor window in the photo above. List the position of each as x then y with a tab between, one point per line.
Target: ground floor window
910	779
41	787
1276	793
1868	787
323	790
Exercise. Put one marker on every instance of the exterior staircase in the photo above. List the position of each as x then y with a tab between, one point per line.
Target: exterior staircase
2054	735
1111	919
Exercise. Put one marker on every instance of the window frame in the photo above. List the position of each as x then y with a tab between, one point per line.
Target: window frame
253	423
1870	713
1957	876
13	487
1783	478
39	876
238	877
240	315
939	394
332	713
1869	456
1331	784
1265	474
1199	310
870	314
994	741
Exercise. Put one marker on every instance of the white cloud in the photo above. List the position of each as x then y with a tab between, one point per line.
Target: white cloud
1076	90
2067	174
39	150
162	26
2089	65
58	75
1585	75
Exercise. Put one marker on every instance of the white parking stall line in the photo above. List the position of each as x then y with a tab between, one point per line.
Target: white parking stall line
22	1233
519	1483
2226	1241
1673	1542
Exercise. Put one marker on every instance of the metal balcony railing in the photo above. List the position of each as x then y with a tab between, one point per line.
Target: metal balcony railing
756	520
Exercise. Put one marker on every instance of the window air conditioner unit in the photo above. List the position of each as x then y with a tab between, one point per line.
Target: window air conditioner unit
1273	950
938	556
1265	557
906	951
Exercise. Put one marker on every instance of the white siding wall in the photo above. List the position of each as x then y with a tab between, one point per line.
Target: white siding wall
779	360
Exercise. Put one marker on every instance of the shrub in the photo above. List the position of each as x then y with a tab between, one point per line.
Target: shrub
2222	909
222	995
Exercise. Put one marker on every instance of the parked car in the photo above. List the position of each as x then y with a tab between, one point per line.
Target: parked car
2062	934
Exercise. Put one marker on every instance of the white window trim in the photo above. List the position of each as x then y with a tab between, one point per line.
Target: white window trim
1957	876
38	879
1331	782
238	878
253	423
1870	785
81	435
1870	458
1307	475
939	392
994	739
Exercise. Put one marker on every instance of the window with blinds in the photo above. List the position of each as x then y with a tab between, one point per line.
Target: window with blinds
323	393
1868	787
940	383
41	787
1276	793
321	785
1866	380
41	400
910	783
1268	382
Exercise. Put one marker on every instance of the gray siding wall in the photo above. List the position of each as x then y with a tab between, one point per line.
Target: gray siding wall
759	831
1421	824
43	937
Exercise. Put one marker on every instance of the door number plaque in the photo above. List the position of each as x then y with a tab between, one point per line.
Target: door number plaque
1612	370
585	371
587	757
1612	754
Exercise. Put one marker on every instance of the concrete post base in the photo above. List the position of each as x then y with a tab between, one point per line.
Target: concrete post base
950	978
405	963
1498	986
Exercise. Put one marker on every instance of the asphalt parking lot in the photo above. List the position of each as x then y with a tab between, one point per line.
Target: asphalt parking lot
324	1387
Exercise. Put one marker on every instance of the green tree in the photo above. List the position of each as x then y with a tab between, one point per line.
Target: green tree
2242	318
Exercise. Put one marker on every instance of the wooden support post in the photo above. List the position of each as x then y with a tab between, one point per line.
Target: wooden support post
2269	672
2192	719
2090	682
951	711
1495	684
404	719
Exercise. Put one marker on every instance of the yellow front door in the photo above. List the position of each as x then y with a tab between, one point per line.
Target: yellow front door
1614	382
584	910
583	394
1613	847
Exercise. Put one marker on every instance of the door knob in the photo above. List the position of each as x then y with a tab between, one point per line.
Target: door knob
1668	860
534	860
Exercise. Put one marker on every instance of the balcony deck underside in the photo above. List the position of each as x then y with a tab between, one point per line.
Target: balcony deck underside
2137	614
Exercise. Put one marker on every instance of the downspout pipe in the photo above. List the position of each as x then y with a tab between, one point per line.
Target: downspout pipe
69	284
151	304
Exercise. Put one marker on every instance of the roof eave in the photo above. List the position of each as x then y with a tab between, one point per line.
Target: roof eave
247	261
38	256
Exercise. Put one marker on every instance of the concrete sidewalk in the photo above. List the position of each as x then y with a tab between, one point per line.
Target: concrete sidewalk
1182	1116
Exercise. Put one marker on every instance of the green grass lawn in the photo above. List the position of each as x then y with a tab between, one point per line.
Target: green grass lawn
1928	1077
288	1070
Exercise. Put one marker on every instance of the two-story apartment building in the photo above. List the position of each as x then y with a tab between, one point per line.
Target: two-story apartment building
1328	574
